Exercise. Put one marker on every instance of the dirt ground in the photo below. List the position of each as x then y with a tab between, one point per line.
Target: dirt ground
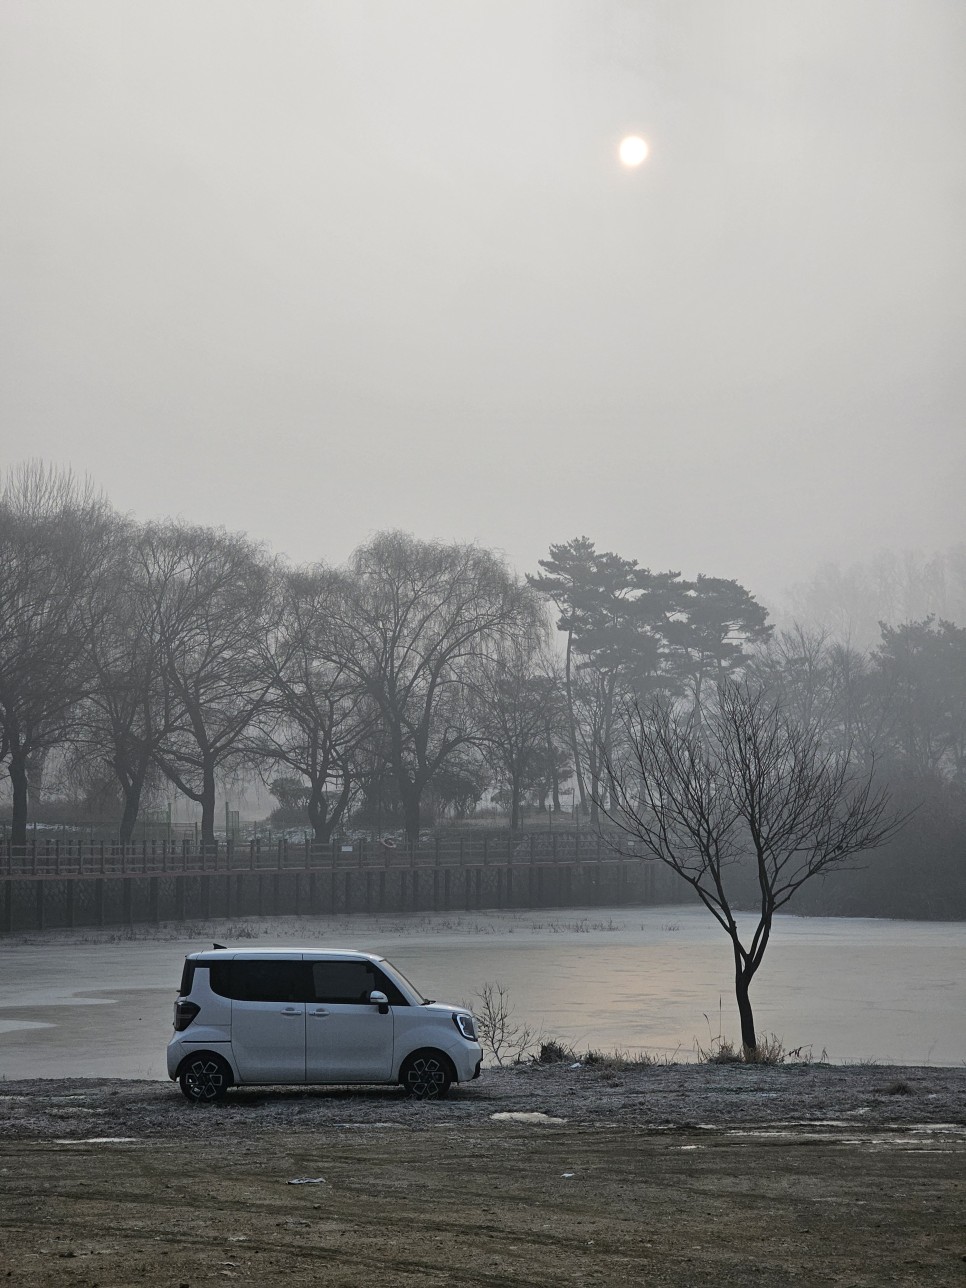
672	1175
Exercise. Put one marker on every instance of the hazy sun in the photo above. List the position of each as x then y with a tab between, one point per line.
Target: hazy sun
633	150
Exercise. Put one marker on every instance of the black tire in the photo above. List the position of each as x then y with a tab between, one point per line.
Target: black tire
204	1077
426	1075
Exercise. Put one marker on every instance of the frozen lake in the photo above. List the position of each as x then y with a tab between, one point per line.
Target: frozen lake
859	989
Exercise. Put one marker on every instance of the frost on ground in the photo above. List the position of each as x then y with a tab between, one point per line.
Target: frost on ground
674	1096
671	1176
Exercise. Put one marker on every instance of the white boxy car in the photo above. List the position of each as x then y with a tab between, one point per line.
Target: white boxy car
284	1015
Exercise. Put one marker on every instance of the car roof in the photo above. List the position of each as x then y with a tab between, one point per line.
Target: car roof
285	950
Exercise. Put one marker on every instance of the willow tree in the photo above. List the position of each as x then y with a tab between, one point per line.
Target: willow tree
420	622
123	722
746	787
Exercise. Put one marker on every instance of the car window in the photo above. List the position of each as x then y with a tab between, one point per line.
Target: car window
389	987
347	982
261	981
342	981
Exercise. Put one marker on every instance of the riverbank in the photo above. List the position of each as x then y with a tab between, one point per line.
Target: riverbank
668	1175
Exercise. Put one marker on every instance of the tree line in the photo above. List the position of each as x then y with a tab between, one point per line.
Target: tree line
136	657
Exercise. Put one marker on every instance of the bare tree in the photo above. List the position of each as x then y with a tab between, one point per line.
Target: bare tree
318	715
512	700
123	722
798	663
747	786
53	531
422	619
212	596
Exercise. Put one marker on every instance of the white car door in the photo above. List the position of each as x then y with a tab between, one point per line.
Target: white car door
346	1037
268	1017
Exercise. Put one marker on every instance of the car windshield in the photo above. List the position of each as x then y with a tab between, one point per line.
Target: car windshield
425	1001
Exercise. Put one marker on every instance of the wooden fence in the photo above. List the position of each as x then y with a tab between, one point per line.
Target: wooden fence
78	883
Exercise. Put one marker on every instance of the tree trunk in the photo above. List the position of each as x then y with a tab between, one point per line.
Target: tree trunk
323	819
132	803
698	682
317	808
554	780
208	806
411	800
514	804
338	809
749	1041
36	765
18	813
572	722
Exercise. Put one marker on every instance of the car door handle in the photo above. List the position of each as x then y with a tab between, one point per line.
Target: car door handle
291	1010
321	1012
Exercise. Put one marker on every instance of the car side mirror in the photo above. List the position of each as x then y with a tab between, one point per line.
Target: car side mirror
380	1000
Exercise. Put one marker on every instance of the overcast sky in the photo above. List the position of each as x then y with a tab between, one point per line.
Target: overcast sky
313	269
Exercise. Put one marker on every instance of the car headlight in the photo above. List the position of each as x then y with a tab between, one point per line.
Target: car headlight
466	1025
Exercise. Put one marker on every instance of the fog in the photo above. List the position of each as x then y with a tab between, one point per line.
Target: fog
314	270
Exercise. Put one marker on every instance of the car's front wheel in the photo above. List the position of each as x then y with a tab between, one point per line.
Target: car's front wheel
426	1075
204	1077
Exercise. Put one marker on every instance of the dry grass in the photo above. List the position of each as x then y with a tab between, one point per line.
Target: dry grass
619	1061
770	1050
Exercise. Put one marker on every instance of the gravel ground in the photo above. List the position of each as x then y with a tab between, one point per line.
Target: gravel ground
662	1096
538	1176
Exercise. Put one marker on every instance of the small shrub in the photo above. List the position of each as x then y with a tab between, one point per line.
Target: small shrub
898	1088
553	1052
596	1059
504	1040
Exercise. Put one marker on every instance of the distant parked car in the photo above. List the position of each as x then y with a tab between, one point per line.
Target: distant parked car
279	1015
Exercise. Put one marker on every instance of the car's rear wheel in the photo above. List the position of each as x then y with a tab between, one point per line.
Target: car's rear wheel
426	1075
204	1077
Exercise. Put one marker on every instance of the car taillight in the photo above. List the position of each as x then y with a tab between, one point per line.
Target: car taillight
184	1013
